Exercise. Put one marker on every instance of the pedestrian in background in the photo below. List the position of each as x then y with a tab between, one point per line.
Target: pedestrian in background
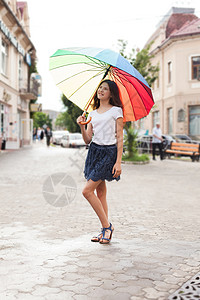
157	141
3	145
103	161
34	134
42	134
48	136
39	133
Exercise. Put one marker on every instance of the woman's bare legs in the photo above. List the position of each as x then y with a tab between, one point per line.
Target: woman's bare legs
99	206
101	194
88	193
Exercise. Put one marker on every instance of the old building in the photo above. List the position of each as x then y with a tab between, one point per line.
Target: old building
17	54
176	50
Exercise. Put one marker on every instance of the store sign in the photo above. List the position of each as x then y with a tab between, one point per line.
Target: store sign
36	84
28	59
36	107
11	38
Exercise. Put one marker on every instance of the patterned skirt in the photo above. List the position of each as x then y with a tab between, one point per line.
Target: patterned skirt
100	161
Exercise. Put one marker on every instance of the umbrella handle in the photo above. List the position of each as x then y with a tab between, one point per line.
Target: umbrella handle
86	122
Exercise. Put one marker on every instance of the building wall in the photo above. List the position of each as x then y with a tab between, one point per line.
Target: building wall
182	92
14	93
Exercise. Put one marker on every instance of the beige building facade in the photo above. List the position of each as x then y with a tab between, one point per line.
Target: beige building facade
53	114
17	54
176	92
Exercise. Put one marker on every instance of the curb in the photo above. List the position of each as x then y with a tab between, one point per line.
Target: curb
136	162
3	152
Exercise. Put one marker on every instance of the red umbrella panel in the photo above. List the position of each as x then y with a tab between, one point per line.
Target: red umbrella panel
136	97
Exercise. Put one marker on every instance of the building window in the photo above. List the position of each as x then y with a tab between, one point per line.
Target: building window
156	118
170	120
196	67
169	72
181	115
20	74
4	57
194	120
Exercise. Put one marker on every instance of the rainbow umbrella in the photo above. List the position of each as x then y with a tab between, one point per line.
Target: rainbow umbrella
79	71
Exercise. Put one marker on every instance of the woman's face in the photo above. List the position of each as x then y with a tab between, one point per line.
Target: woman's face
103	92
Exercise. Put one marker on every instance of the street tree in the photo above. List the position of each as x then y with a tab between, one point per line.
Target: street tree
61	120
68	118
40	119
141	60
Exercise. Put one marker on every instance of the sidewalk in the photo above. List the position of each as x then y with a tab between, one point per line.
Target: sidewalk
46	253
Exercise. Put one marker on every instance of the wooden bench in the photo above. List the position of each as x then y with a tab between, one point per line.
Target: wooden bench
192	150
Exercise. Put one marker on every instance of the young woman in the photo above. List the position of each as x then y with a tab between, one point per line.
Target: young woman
103	161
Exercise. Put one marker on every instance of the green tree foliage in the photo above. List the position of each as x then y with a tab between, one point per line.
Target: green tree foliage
141	60
68	118
61	120
40	119
130	141
32	69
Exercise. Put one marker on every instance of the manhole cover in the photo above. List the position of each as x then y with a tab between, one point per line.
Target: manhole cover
190	290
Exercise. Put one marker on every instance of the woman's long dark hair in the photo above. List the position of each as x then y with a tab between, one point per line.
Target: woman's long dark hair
114	91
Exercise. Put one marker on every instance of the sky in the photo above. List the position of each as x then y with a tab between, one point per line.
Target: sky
90	23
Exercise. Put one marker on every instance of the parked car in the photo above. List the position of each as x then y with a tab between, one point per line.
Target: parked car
144	143
183	138
57	135
72	140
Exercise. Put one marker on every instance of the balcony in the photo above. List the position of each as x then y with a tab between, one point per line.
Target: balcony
26	94
28	91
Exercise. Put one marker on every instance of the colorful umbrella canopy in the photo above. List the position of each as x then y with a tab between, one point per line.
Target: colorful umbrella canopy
79	71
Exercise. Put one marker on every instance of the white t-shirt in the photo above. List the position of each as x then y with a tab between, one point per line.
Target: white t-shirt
158	132
104	125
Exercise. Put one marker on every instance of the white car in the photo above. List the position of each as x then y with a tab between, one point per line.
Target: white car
57	135
72	140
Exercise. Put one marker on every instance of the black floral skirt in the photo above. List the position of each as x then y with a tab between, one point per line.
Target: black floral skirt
100	161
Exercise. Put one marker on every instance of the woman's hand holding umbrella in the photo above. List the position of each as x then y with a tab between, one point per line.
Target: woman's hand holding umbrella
81	120
87	134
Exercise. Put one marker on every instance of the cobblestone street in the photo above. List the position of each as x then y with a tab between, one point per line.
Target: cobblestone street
45	247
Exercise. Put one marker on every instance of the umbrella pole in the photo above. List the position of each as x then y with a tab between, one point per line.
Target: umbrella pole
106	73
84	113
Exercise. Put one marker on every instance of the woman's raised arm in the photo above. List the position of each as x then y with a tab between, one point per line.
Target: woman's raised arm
86	133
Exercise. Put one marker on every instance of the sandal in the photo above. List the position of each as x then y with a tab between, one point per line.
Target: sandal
98	237
107	240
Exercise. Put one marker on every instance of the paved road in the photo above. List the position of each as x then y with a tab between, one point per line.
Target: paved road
45	250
